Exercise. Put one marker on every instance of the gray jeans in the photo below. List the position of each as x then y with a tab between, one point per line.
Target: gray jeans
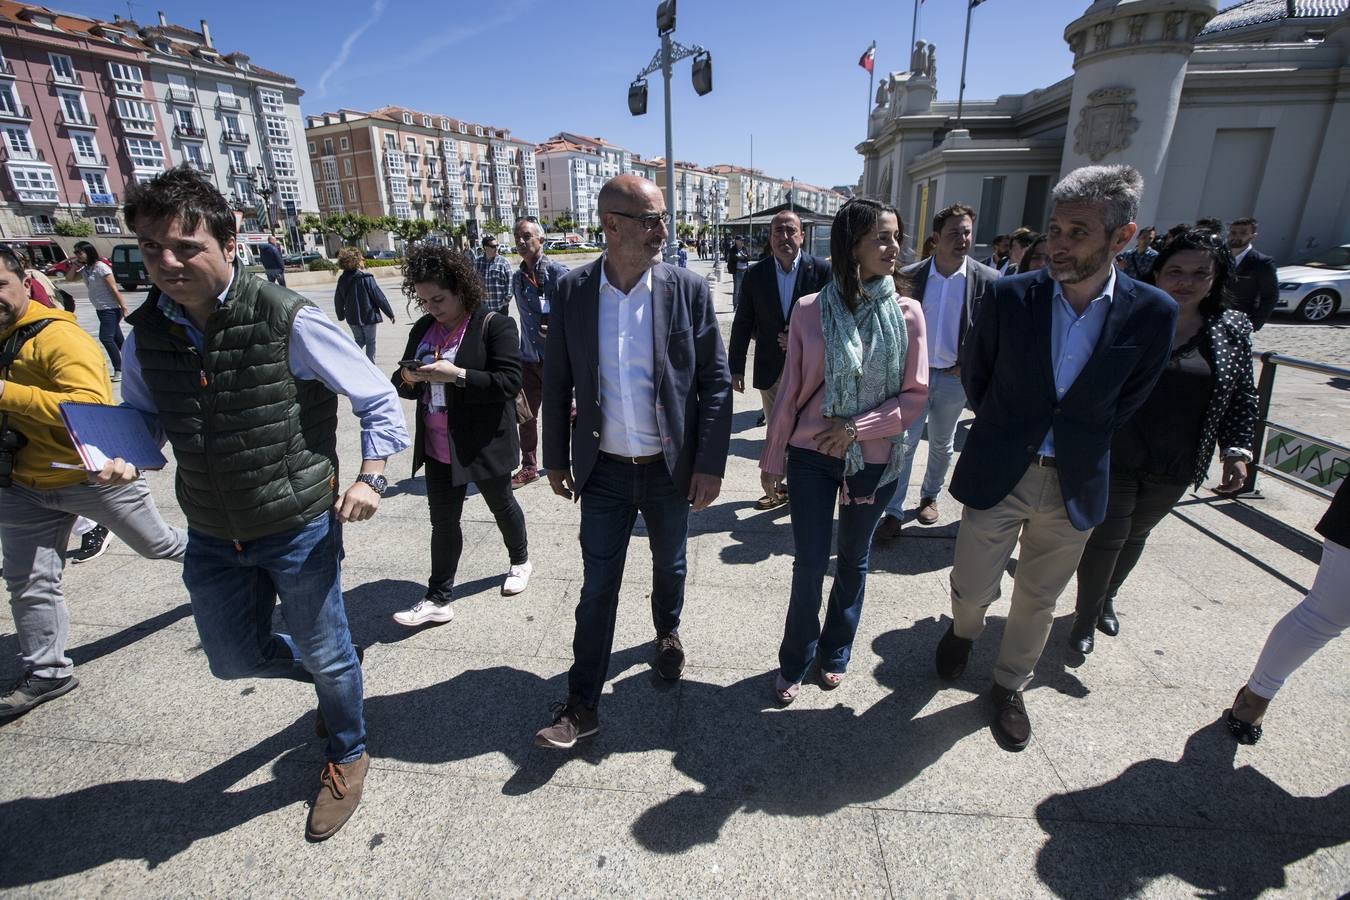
365	337
35	528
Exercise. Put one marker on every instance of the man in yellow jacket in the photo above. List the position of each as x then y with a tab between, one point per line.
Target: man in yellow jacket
38	502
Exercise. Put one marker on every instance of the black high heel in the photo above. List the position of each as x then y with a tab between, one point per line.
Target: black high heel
1243	732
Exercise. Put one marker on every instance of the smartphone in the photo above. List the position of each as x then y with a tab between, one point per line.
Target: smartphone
410	364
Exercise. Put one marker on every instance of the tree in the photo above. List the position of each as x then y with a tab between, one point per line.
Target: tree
350	228
411	230
685	231
495	227
76	227
563	221
311	223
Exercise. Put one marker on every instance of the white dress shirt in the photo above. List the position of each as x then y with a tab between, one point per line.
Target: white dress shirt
1237	260
627	369
944	303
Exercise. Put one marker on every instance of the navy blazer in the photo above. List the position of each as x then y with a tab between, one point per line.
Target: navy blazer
980	280
1007	373
759	315
693	384
1256	287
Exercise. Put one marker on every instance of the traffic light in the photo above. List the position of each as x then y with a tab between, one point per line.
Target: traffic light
703	73
637	97
665	17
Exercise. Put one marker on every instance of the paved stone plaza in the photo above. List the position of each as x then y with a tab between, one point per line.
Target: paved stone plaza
154	779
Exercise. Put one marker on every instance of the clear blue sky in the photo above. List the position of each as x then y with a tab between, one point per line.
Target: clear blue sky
785	71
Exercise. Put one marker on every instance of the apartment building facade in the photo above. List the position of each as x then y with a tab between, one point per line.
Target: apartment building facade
700	195
88	108
750	190
400	162
572	169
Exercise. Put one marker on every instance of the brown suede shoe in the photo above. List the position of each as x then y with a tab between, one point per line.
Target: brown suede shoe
888	529
928	513
340	788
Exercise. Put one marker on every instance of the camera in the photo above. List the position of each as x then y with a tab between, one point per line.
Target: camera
11	442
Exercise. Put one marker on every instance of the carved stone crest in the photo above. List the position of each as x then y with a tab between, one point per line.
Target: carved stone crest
1137	24
1106	123
1101	35
1172	26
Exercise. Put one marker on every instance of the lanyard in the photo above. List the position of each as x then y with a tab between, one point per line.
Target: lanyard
455	338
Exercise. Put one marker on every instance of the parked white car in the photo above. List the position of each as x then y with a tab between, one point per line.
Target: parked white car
1318	289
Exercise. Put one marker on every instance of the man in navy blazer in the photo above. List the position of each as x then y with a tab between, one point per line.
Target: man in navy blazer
1056	360
635	341
1256	282
769	293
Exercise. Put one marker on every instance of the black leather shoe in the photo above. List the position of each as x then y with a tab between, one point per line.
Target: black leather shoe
1012	726
1107	622
1080	637
669	655
952	655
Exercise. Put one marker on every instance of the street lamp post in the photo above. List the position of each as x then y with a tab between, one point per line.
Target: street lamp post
664	59
263	187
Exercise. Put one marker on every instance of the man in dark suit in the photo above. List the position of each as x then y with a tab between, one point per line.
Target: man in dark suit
769	294
951	286
1056	360
637	342
1256	286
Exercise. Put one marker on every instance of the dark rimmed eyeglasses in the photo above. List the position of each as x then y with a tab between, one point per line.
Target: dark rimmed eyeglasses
648	221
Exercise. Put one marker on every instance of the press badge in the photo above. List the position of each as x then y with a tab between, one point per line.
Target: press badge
438	395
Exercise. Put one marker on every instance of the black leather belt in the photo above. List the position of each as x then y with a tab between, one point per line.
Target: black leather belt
633	460
949	370
1043	461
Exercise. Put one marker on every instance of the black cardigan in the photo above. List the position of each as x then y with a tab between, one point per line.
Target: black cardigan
485	442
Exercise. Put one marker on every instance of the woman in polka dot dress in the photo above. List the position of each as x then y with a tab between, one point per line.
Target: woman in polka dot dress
1205	398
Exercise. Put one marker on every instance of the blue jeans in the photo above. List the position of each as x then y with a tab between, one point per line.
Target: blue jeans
276	276
815	479
611	499
110	334
365	337
233	592
946	399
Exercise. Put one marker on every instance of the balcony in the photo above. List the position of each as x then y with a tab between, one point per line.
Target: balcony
205	168
236	137
98	160
6	70
228	101
80	120
180	95
238	171
19	113
136	126
75	80
99	200
189	132
9	154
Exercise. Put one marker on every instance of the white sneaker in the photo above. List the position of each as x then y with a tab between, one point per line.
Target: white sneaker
424	611
517	577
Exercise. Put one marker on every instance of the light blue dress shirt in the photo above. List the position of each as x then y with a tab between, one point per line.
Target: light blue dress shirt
786	281
1072	340
319	351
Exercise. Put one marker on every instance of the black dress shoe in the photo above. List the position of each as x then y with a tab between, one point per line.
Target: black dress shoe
952	655
1080	637
1107	622
1012	726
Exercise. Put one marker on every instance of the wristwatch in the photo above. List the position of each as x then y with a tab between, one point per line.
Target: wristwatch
376	483
851	430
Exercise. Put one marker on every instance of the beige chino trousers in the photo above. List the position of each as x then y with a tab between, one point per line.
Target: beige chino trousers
1050	549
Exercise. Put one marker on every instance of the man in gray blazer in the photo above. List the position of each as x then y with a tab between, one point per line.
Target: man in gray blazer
636	342
951	287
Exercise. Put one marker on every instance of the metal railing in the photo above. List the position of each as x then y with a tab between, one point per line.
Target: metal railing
8	154
1265	387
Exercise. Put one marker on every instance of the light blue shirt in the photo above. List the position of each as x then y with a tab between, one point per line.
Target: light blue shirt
319	351
787	281
1072	340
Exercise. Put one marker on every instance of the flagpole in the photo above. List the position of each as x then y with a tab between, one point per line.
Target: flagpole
871	84
961	93
914	28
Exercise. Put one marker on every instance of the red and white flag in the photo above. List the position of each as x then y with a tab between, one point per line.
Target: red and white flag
868	56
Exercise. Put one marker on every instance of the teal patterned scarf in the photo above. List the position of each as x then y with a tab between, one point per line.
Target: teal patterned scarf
864	360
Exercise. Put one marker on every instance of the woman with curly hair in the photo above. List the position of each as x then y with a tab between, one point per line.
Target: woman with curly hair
359	300
1205	398
462	366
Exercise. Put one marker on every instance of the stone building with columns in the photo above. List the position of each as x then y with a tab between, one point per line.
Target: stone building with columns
1232	113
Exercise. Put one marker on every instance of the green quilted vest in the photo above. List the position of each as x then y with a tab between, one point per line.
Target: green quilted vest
256	447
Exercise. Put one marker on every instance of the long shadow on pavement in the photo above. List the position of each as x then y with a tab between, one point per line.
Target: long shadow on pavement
154	820
1229	832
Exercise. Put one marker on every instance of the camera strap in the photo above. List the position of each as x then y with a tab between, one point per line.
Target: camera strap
16	341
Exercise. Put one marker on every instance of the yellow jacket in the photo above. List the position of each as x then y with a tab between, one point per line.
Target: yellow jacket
63	362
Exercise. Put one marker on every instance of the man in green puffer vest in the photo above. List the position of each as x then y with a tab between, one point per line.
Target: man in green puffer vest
242	378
